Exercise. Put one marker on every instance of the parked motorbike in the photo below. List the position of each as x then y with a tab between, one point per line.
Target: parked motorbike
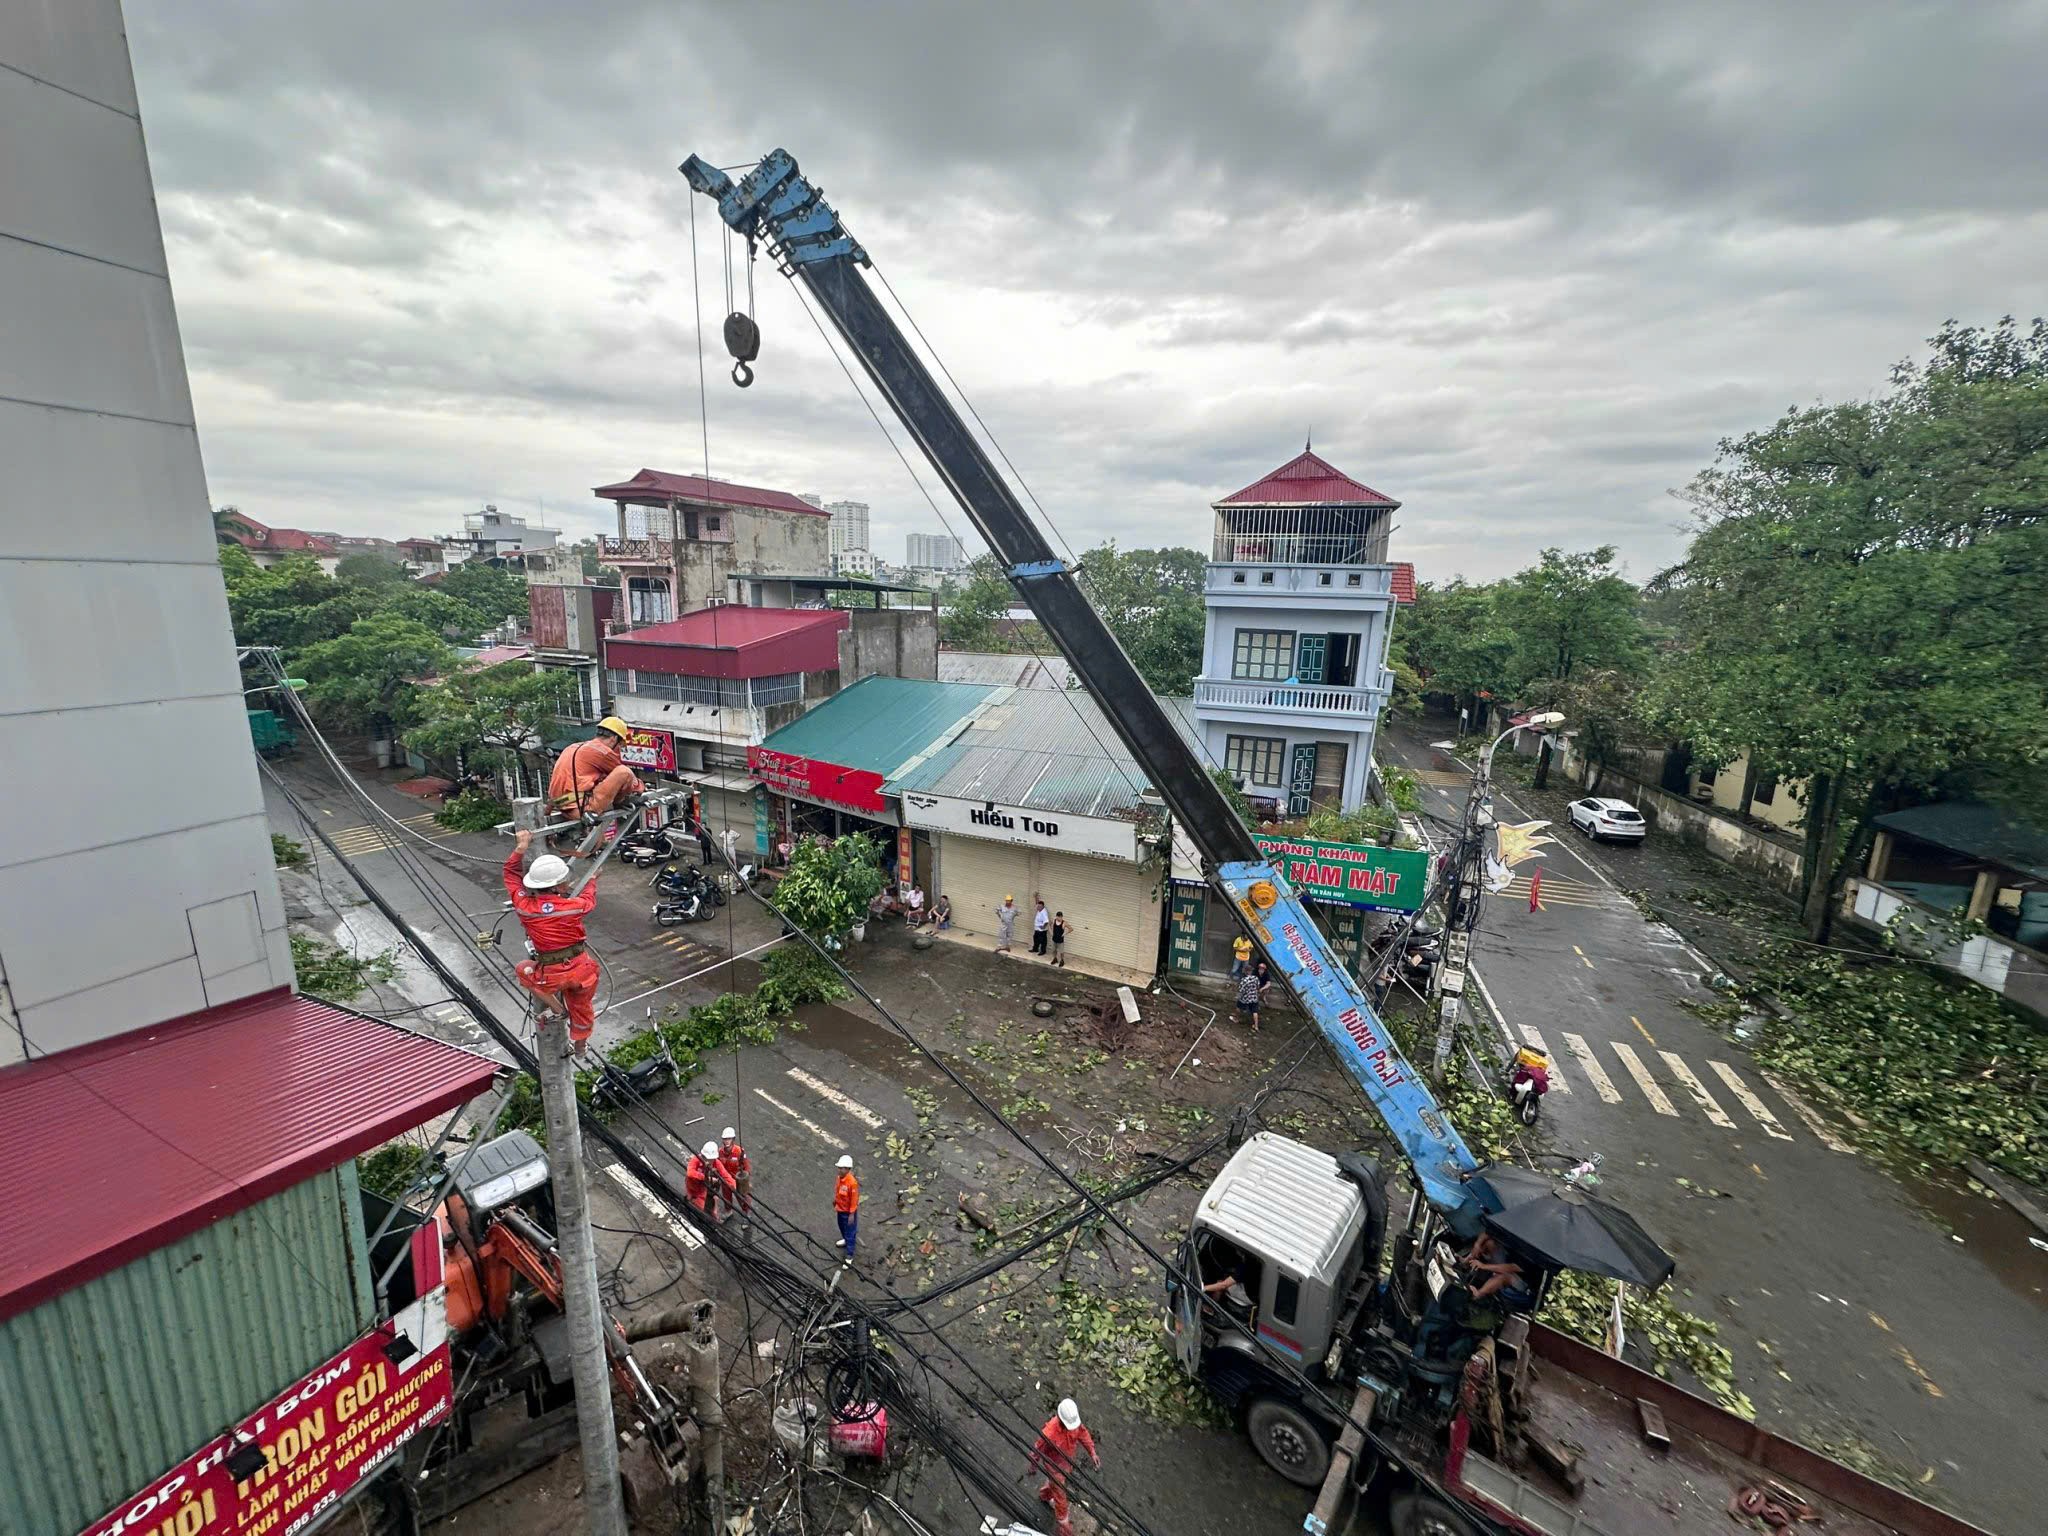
621	1086
676	880
673	911
645	847
1528	1082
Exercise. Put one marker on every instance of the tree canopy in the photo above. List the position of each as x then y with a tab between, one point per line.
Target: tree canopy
368	679
973	619
491	716
1152	601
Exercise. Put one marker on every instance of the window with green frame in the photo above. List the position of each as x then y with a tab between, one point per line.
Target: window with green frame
1262	655
1256	759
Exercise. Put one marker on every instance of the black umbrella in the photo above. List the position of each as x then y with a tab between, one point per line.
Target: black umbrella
1562	1225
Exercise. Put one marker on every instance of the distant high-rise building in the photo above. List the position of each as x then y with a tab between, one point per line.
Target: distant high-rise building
849	525
933	552
814	499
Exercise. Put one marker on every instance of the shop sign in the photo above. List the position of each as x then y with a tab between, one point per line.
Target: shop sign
1184	930
764	838
648	747
319	1438
812	778
906	859
1057	830
1357	874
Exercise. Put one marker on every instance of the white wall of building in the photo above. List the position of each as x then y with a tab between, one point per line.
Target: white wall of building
135	874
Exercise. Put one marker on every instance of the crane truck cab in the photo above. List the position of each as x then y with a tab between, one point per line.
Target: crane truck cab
1299	1232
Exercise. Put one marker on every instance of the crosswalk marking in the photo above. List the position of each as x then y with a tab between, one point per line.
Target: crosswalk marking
378	837
684	1233
808	1124
825	1090
1644	1081
1595	1073
1697	1089
1750	1101
1804	1111
1557	1082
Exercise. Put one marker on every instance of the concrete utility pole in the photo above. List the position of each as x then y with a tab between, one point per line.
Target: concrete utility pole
604	1507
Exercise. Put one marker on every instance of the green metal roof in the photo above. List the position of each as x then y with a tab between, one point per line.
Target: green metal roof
1977	831
880	724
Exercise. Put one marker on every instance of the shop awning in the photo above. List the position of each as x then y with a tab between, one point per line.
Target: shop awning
119	1147
1976	831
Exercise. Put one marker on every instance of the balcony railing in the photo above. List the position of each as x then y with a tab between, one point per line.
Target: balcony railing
1288	698
648	551
1233	548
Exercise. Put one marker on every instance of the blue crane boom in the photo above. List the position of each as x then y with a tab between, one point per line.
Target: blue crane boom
773	205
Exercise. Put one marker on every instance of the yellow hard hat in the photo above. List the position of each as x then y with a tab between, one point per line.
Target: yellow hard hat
616	726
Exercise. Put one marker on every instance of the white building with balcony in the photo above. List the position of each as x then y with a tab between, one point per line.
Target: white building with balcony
1300	597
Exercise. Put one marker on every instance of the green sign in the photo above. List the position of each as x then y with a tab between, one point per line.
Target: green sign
1346	927
1184	929
764	838
1356	874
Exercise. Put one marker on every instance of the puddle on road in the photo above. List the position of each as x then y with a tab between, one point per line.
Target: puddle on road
1992	1231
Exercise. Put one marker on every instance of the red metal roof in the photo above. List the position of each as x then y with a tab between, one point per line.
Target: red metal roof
119	1147
1403	581
731	641
491	655
260	536
1307	479
656	487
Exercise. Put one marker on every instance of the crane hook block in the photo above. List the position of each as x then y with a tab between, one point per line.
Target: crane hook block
743	341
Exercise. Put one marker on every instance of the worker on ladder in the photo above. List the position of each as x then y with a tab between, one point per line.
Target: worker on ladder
591	777
562	972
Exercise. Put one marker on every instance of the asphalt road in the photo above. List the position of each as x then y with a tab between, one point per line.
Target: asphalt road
1855	1318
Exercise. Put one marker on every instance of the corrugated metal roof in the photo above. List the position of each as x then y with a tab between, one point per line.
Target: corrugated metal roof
1284	1201
1976	830
126	1144
880	723
659	486
1307	479
133	1370
1039	749
999	669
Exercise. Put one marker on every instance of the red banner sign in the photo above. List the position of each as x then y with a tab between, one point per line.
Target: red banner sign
319	1438
650	748
810	778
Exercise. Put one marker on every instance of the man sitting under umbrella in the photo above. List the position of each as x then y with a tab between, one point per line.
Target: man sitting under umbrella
1496	1282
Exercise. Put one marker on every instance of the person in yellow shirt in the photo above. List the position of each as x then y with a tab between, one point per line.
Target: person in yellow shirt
1240	956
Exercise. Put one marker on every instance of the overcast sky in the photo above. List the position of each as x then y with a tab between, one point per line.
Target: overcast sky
1519	265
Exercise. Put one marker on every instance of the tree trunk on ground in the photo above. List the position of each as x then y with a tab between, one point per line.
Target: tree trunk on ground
1542	780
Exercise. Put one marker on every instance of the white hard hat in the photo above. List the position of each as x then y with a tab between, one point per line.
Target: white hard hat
710	1149
1070	1413
547	870
729	1134
845	1160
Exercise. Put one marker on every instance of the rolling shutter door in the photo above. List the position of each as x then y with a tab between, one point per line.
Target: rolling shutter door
1114	907
975	875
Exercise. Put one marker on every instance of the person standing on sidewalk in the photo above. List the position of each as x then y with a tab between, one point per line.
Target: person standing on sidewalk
1059	938
846	1204
1059	1446
1041	920
1006	924
1251	991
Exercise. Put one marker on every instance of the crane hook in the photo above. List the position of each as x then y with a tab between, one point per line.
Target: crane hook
743	341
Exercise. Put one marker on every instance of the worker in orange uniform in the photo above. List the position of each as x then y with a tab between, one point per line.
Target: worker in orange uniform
706	1184
591	777
738	1167
1059	1445
846	1204
562	972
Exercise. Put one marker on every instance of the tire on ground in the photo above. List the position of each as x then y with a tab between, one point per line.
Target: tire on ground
1288	1441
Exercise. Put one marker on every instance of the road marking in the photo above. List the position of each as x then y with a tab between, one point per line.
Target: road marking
1750	1101
1644	1081
1698	1090
1804	1111
1642	1031
825	1090
1499	1019
685	1234
812	1126
1595	1073
1557	1082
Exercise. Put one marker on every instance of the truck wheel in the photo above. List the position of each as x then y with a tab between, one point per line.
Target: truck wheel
1424	1514
1288	1441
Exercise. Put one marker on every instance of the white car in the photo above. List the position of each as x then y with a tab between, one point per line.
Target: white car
1599	818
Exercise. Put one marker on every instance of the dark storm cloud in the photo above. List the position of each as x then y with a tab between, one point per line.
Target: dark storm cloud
1520	265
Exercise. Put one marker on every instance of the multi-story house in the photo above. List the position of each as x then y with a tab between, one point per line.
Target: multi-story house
500	538
685	543
1300	598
